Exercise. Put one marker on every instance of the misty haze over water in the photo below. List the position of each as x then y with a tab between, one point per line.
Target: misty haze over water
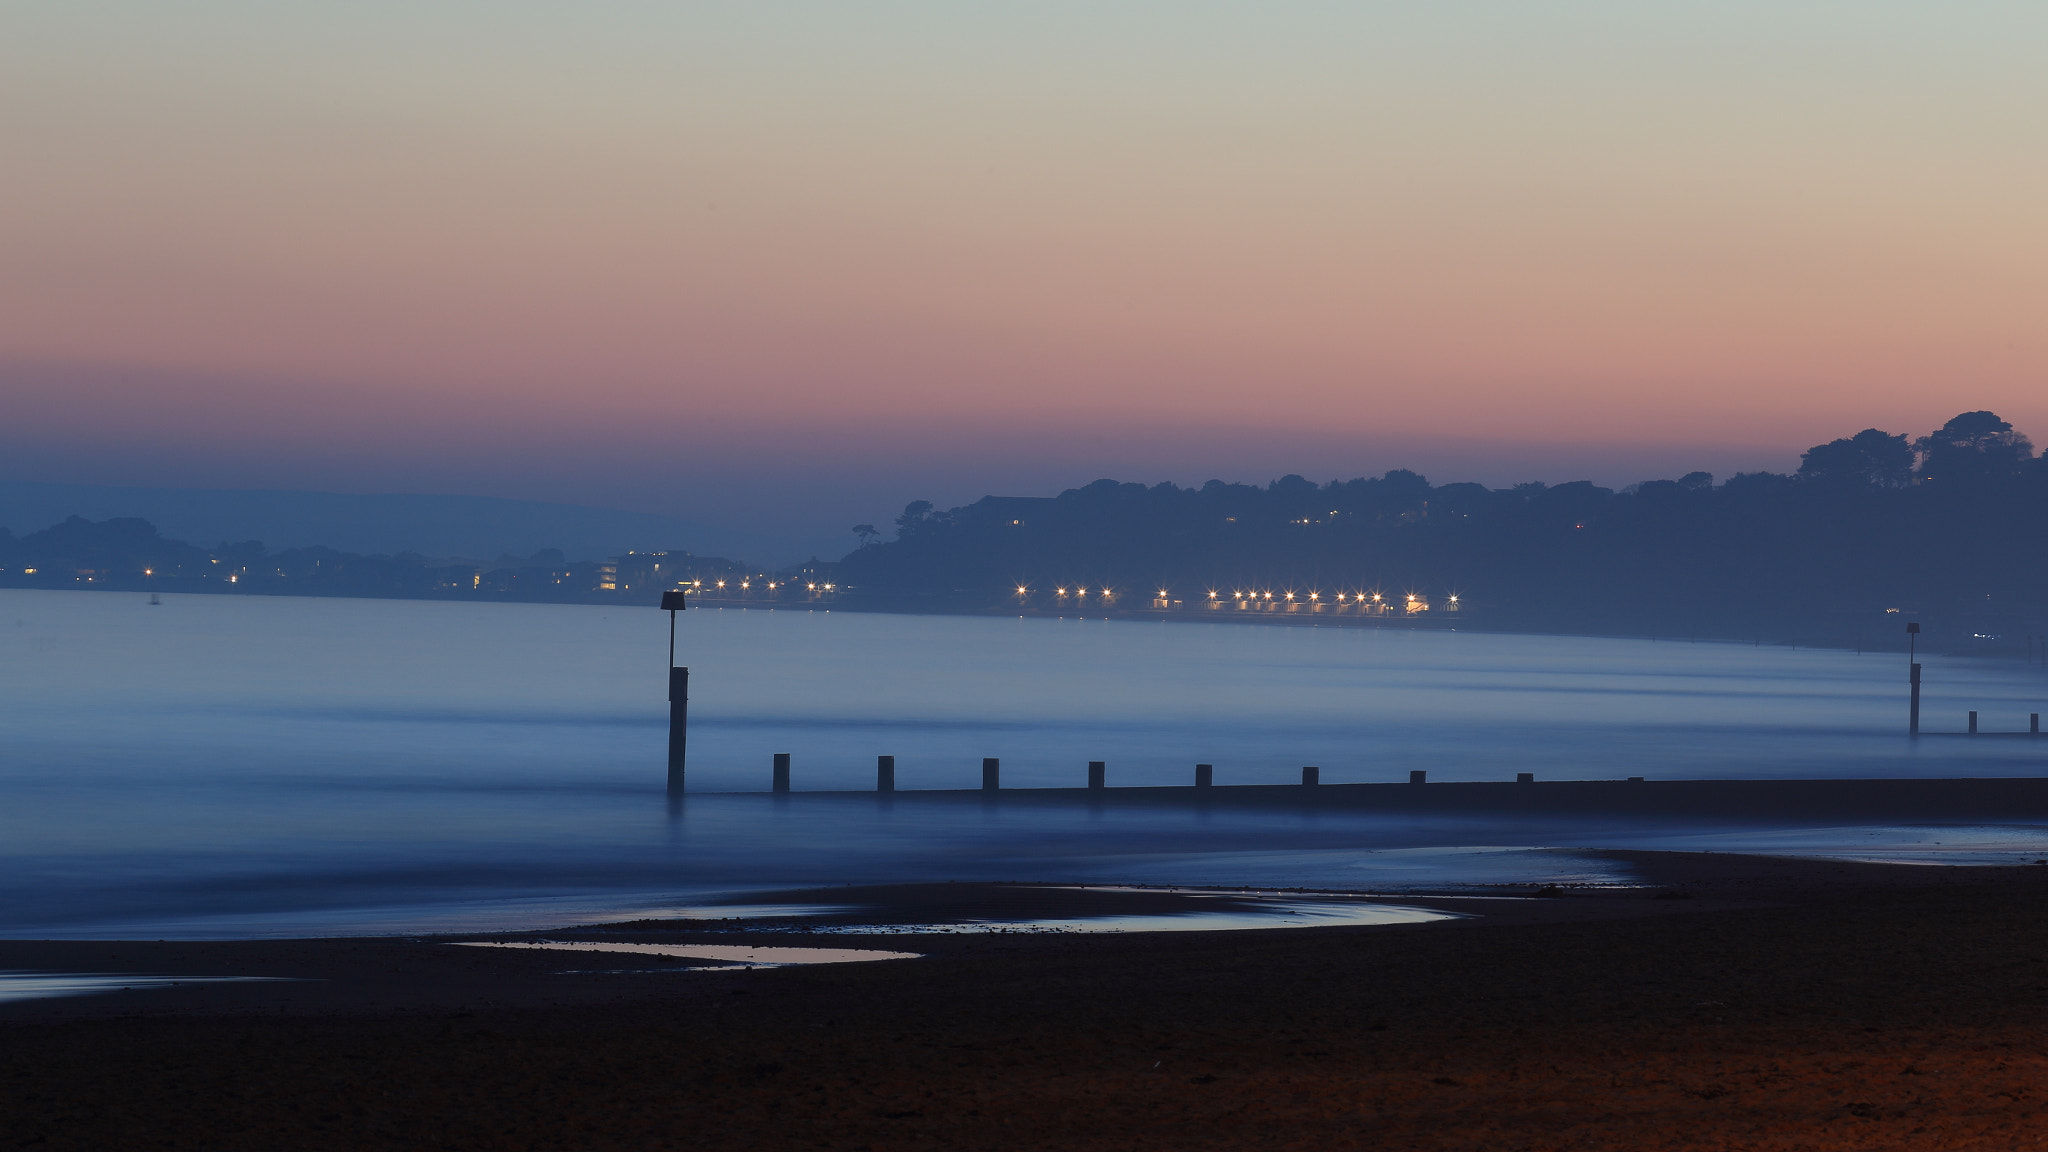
232	765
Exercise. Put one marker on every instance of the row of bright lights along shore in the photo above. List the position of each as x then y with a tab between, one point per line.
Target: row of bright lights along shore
746	585
1309	597
1110	594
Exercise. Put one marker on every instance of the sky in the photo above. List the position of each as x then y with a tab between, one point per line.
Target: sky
793	265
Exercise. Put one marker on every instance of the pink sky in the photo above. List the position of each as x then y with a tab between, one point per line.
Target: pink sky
612	254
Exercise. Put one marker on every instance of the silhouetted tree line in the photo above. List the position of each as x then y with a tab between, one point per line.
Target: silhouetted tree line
1950	526
1955	521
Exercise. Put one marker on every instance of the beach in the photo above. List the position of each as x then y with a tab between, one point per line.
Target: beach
263	873
1725	1001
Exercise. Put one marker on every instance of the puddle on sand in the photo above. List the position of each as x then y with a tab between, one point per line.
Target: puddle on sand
918	909
1263	914
39	985
729	953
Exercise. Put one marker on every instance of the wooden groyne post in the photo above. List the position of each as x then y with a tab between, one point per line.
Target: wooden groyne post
1913	676
678	724
1311	775
781	778
885	773
678	696
1973	721
1098	774
991	774
1205	775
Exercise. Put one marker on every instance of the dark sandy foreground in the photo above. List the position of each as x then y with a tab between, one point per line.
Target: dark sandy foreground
1777	1004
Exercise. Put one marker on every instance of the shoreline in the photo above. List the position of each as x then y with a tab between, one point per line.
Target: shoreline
1986	798
1467	622
1733	1001
320	975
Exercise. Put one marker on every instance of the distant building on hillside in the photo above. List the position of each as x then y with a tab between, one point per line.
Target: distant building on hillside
641	570
654	571
1016	511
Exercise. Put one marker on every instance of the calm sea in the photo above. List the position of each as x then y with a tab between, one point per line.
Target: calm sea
251	765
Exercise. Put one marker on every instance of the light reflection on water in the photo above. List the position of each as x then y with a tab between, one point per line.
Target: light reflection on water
1888	844
248	765
18	985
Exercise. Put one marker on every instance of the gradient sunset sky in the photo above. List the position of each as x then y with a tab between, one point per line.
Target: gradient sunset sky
809	261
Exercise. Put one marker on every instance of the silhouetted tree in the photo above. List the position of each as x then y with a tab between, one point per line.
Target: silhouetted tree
916	516
866	533
1973	446
1869	458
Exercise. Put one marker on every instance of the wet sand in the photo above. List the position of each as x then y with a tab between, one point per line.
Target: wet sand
1737	1002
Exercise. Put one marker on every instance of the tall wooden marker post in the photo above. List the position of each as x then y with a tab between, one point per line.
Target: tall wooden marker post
1913	678
673	602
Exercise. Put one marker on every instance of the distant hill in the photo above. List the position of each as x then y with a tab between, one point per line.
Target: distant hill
470	526
1873	529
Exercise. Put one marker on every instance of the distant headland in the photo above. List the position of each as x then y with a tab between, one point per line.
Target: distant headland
1873	527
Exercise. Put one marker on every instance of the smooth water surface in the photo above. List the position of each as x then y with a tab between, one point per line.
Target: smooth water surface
235	765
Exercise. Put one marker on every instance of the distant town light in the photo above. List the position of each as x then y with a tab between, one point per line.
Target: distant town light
1020	589
812	587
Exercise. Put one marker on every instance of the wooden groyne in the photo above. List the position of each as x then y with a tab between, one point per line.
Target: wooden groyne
1969	798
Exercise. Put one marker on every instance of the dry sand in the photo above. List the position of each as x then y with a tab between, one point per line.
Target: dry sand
1738	1003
